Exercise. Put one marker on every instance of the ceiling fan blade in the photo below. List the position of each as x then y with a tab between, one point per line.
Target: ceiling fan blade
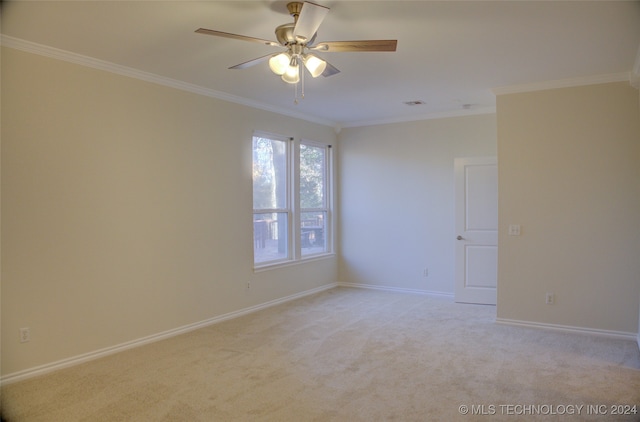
236	37
253	62
311	16
352	46
329	70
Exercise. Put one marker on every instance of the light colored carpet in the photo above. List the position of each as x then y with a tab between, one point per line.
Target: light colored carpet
346	355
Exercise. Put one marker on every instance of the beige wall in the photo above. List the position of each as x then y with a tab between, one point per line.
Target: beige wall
569	174
126	209
397	199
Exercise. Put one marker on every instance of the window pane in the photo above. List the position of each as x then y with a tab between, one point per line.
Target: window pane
312	171
313	232
270	237
269	173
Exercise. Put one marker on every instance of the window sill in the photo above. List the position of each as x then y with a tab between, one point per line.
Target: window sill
282	264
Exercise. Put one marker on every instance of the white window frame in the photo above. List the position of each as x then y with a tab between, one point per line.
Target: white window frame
327	195
293	208
289	204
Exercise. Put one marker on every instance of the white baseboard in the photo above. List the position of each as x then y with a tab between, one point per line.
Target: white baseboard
566	328
398	289
76	360
570	329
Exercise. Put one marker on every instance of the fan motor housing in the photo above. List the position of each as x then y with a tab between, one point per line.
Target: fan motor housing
284	34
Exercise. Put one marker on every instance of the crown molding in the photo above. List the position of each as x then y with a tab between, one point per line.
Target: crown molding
420	117
632	77
68	56
563	83
56	53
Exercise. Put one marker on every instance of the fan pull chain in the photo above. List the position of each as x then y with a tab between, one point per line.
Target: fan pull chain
302	76
295	97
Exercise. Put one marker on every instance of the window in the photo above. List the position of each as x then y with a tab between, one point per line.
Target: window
313	199
271	208
291	206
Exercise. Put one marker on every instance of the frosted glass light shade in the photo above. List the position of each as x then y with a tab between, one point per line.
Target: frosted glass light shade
292	75
314	65
279	64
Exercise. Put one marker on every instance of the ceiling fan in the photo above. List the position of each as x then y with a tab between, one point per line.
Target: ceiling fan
299	38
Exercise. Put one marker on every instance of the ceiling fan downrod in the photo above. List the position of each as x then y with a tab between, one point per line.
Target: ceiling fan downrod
294	9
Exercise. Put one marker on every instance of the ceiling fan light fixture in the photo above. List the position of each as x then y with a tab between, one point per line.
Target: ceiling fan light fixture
279	63
292	75
314	64
298	37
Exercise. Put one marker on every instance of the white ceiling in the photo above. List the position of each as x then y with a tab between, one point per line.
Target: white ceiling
450	53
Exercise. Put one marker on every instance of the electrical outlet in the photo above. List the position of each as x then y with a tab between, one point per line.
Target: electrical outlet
248	285
25	335
425	273
549	298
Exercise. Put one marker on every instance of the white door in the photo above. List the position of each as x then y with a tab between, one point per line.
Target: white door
476	184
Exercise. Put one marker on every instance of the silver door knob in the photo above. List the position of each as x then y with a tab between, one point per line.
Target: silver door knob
460	238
